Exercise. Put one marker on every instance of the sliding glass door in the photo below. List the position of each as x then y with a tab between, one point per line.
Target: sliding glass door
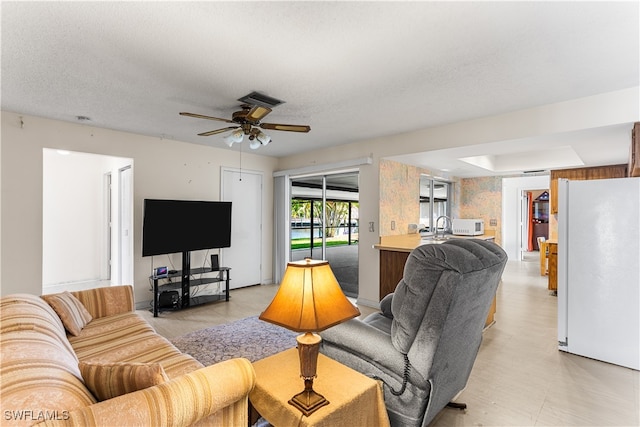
324	223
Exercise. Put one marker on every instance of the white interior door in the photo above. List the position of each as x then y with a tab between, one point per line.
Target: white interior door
244	191
126	226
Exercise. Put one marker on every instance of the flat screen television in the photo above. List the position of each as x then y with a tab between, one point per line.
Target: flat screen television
171	226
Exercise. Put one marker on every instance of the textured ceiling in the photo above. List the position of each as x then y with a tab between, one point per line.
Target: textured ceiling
351	70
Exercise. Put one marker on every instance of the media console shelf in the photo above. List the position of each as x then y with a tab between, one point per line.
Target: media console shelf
184	284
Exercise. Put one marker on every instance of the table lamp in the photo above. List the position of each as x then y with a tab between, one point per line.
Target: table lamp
309	300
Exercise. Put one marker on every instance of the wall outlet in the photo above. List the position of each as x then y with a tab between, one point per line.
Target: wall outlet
393	225
493	222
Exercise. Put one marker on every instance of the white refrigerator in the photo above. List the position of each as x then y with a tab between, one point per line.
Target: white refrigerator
599	269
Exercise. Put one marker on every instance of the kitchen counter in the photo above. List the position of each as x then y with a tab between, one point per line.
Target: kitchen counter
408	242
394	251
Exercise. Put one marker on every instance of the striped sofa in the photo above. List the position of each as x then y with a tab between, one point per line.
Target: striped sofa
41	381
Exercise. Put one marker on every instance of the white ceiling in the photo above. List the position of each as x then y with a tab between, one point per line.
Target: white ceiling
351	70
593	147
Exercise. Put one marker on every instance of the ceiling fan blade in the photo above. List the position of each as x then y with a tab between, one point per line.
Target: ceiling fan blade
288	128
257	113
200	116
213	132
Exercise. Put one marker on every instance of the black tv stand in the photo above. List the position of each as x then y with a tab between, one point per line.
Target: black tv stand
186	275
186	283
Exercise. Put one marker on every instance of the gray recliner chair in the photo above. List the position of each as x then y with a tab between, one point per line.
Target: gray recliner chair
423	343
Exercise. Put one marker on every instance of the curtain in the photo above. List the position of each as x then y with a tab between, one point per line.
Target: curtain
281	225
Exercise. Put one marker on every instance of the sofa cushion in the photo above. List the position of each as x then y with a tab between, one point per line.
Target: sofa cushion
106	301
39	369
73	314
127	337
108	380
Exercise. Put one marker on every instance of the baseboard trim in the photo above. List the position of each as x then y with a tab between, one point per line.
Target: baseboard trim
368	303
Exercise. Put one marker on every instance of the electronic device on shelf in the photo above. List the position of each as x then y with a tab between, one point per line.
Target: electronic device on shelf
169	299
160	272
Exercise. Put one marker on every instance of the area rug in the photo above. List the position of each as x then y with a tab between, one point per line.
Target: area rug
251	338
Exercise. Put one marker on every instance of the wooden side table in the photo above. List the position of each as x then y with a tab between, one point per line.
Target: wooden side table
354	399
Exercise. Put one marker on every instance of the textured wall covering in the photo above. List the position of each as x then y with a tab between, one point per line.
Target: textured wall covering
399	196
482	198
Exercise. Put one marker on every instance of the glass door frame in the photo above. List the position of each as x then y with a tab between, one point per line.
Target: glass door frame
323	199
432	182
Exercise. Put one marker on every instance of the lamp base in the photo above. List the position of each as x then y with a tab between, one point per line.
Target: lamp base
308	401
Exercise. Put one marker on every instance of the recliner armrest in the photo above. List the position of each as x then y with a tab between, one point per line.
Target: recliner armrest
365	342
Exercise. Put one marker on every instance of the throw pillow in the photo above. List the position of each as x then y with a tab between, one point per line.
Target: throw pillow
108	380
73	314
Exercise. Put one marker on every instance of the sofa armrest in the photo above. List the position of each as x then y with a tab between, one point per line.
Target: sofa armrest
107	301
219	390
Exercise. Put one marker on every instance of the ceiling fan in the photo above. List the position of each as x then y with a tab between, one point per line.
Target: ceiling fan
247	121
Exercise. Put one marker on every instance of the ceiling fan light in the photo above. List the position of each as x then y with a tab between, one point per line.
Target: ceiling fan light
254	144
237	135
263	138
229	140
233	137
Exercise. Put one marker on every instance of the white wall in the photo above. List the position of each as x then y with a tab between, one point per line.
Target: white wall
591	112
163	169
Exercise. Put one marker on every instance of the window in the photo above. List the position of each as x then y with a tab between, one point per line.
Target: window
434	201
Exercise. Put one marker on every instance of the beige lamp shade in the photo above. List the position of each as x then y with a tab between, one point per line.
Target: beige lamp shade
309	299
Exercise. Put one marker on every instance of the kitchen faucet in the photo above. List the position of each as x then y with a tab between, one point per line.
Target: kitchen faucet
435	235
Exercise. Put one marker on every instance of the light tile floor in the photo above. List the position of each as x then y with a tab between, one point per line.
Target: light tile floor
519	378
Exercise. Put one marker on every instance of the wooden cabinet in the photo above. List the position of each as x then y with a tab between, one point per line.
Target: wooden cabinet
581	174
553	266
634	155
391	270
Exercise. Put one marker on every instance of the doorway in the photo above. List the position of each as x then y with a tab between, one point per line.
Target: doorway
81	246
324	223
535	218
512	211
